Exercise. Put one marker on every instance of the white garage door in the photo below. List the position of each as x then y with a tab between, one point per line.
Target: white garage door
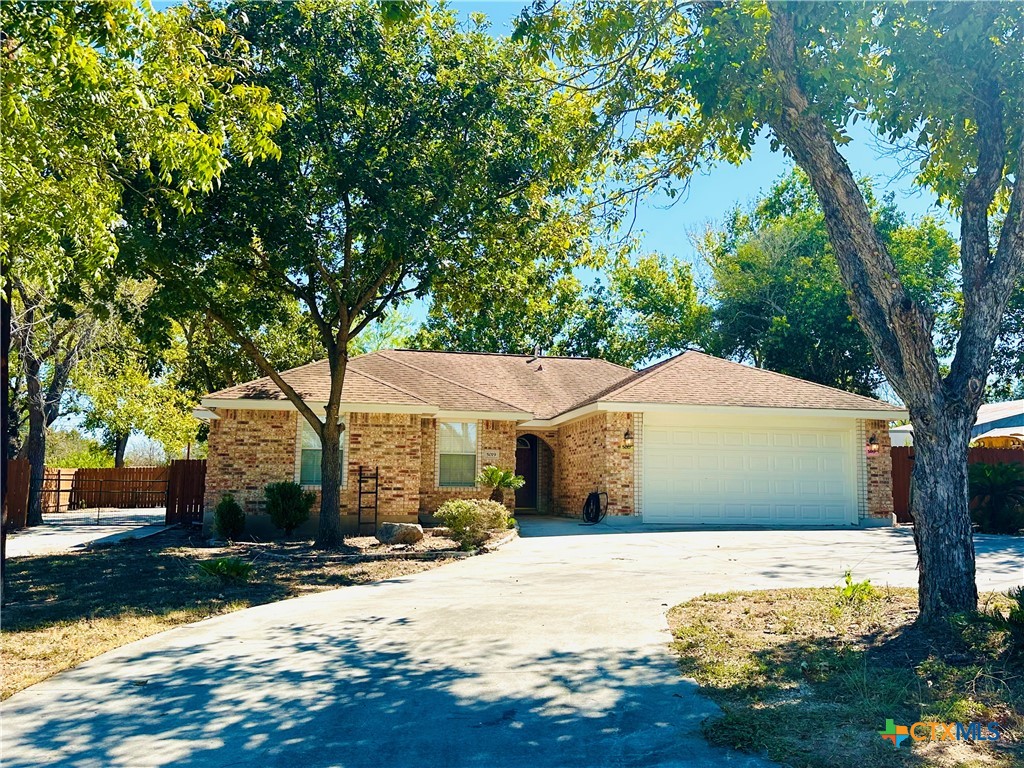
748	471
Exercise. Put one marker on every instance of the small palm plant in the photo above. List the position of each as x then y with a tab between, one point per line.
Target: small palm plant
997	496
499	480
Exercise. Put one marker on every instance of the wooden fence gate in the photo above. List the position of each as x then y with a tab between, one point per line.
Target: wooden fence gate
186	487
903	468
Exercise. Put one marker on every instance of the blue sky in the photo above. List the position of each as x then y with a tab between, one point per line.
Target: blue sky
711	194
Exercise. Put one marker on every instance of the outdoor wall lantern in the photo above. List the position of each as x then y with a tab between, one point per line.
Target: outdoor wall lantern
627	440
871	447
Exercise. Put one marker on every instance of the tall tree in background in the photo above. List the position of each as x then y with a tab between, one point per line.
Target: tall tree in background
646	308
411	147
683	86
779	301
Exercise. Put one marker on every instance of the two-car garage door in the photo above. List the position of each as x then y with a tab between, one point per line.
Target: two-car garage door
748	470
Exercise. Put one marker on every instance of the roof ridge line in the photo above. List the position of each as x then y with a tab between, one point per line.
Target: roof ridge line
389	385
383	353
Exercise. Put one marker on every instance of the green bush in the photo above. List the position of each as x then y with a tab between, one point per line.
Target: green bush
499	480
997	497
288	505
470	519
228	518
230	570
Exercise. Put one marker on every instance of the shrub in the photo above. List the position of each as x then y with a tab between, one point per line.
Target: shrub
997	497
228	518
499	480
288	505
470	519
227	569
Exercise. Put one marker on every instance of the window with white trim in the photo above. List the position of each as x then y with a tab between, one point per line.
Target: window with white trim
456	454
310	451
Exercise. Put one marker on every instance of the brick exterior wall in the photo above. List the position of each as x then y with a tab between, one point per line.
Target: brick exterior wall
590	456
250	448
879	471
246	450
497	436
391	442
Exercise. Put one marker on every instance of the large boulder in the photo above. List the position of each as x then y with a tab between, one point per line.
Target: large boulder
399	533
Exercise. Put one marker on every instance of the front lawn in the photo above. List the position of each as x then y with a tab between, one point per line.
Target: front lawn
810	676
65	609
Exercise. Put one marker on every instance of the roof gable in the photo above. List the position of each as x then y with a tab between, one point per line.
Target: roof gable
695	378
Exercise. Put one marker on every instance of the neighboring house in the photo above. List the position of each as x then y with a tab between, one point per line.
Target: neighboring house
692	440
999	425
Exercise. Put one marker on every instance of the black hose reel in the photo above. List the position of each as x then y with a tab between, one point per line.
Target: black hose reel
595	508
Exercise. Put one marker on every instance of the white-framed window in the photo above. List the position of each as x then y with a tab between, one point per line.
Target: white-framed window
456	454
308	453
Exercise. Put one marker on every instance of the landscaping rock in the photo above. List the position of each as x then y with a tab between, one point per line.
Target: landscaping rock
399	533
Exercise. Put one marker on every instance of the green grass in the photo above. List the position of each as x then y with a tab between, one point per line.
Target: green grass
809	676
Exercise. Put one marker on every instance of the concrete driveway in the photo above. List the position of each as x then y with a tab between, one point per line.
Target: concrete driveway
550	652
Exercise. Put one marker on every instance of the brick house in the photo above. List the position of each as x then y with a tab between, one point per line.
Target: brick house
691	440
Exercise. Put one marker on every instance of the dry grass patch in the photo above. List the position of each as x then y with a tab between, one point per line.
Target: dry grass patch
809	676
65	609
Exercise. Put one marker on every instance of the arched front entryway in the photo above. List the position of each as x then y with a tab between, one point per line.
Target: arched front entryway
535	462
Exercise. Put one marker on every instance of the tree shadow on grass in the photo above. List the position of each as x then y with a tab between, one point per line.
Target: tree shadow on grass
154	577
820	702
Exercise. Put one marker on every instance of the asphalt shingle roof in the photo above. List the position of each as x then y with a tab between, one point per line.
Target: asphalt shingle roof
694	378
549	386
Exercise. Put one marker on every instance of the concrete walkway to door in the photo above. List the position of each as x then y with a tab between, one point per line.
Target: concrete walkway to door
550	652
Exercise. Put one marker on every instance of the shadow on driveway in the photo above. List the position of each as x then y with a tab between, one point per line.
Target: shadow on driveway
346	696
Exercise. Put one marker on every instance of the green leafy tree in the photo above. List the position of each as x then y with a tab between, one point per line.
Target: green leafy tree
123	398
646	308
199	355
96	95
410	146
682	86
1007	379
779	298
392	330
70	448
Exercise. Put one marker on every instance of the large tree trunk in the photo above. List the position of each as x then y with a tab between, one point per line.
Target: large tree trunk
942	408
330	534
5	427
35	451
120	445
942	522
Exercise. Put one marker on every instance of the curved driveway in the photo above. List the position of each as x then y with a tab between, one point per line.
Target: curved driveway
549	652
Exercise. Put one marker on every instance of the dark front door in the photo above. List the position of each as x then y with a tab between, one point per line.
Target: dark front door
526	465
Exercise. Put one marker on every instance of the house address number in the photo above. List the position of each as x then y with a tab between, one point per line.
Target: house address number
489	454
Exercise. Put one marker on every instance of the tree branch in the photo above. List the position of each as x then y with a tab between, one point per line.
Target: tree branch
898	328
264	365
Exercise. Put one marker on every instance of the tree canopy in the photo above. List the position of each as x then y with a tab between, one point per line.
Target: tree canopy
679	87
412	146
778	298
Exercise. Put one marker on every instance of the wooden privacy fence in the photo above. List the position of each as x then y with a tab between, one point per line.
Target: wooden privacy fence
186	487
903	467
18	474
114	487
